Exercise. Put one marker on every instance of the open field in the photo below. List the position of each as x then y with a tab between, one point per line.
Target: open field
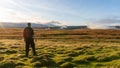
61	49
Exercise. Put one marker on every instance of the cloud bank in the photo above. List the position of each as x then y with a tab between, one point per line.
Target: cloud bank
103	23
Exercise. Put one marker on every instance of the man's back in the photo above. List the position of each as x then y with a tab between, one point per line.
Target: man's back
28	32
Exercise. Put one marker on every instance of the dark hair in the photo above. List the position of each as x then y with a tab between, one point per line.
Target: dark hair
29	24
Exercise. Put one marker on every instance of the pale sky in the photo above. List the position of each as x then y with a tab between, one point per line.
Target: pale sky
70	12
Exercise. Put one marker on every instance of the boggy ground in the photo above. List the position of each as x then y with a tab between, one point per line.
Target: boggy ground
62	49
64	53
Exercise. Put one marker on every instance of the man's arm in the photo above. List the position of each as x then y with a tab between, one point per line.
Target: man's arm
32	32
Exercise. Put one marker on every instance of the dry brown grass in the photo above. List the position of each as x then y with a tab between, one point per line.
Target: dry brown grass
16	33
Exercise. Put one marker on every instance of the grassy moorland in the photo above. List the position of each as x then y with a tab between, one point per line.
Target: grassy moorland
61	49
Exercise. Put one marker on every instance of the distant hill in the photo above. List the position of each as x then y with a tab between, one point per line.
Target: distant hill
24	24
47	25
114	27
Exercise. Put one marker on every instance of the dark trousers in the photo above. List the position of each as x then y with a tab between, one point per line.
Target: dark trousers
30	42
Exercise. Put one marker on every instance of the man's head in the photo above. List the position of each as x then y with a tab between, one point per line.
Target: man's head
29	24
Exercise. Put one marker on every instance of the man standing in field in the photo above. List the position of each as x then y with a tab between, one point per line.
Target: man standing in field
28	34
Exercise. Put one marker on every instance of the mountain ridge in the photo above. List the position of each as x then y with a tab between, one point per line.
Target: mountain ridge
24	24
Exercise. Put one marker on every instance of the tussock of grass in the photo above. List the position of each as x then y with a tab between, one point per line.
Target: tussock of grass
59	62
14	47
43	60
20	55
2	48
37	64
73	54
81	52
38	58
99	65
67	65
11	52
91	58
108	57
20	64
7	64
2	44
14	58
90	53
81	60
67	58
78	48
1	58
60	52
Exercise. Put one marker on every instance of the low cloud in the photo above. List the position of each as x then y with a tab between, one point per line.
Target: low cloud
103	23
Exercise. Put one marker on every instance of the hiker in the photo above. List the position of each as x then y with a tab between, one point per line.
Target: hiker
28	34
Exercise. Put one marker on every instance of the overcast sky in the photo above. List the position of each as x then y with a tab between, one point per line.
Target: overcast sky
70	12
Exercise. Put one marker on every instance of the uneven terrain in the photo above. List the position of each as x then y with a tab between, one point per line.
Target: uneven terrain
82	48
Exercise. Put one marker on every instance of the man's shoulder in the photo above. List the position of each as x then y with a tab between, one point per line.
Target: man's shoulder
27	28
30	28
